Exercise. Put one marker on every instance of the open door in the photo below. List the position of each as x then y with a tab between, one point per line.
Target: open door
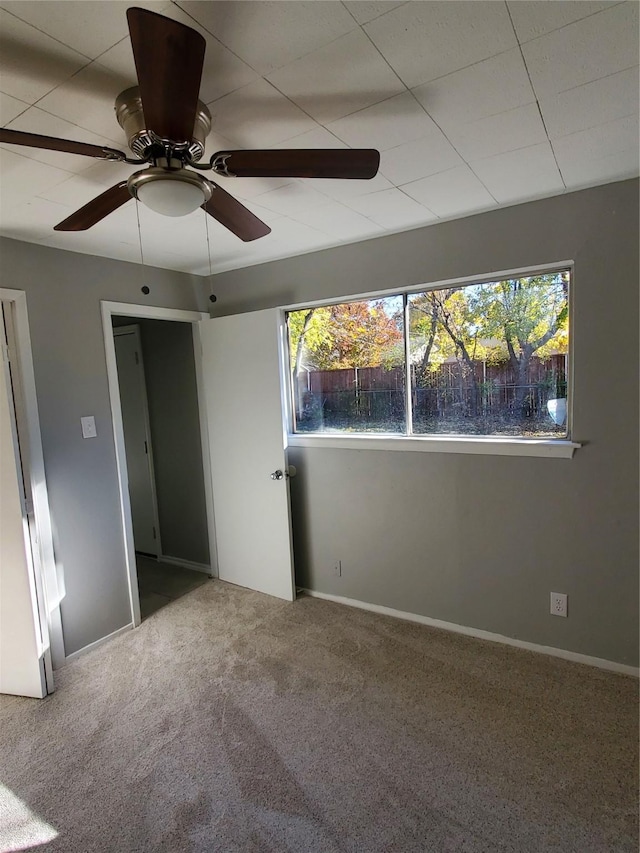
242	377
25	658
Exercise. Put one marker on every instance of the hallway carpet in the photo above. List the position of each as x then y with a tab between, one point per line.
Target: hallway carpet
234	722
161	583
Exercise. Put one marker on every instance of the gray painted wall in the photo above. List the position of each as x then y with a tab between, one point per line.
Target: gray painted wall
64	290
172	393
482	540
474	540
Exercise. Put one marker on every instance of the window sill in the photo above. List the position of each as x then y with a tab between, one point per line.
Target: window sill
484	445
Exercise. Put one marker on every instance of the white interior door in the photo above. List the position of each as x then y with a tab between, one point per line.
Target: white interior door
22	645
241	368
137	438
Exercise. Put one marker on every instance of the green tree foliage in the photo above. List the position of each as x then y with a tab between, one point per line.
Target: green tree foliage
488	321
495	322
527	315
353	334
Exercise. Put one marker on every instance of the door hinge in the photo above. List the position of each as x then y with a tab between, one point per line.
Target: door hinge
154	532
146	449
5	353
137	358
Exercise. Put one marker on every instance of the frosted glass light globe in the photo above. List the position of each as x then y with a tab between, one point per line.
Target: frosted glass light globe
170	197
171	192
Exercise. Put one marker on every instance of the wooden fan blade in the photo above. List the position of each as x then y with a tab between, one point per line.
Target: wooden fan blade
299	163
96	209
234	215
53	143
169	57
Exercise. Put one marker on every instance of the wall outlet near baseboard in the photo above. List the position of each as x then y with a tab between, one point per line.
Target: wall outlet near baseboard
558	604
337	569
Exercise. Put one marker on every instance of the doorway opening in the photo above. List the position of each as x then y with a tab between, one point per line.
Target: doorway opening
250	540
160	443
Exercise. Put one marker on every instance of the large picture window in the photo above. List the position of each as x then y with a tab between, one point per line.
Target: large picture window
483	359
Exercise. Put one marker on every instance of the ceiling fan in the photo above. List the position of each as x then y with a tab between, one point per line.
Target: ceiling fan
166	127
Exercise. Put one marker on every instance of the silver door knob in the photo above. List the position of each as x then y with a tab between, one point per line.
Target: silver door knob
277	475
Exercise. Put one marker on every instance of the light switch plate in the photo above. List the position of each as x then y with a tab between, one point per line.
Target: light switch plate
88	427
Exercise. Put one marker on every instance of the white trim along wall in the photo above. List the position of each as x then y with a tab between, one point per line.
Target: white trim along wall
477	633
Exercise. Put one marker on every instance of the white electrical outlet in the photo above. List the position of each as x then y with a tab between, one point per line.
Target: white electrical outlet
337	569
558	604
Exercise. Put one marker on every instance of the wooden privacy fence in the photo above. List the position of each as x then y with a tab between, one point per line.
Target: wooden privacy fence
450	391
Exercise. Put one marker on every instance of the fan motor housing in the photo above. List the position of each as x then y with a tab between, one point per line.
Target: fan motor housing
140	138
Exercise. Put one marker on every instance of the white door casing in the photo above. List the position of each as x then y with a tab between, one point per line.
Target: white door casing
151	312
24	638
137	439
49	576
242	370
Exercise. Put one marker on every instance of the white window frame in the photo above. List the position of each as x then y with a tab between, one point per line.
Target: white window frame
559	448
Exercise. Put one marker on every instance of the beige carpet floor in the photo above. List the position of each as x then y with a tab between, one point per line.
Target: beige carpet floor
230	721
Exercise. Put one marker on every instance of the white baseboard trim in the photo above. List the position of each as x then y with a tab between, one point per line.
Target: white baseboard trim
576	657
185	564
97	643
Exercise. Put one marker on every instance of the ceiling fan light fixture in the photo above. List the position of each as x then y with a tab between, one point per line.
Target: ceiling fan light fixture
170	198
171	193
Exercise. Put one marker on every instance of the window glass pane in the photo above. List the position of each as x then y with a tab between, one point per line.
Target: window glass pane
347	367
491	358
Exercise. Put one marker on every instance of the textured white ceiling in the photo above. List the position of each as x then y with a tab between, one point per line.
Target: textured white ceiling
473	105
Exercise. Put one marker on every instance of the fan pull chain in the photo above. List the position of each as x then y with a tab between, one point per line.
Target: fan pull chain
139	232
145	288
206	226
212	298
